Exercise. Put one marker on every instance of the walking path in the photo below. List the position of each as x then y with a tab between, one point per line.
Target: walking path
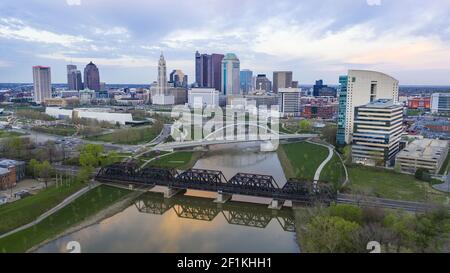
63	204
325	162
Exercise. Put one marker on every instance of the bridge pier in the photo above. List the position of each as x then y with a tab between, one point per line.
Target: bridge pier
222	197
276	204
170	192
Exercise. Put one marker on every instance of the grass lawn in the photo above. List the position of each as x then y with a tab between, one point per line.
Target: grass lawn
131	136
391	185
4	133
60	130
87	205
26	210
301	160
334	171
179	160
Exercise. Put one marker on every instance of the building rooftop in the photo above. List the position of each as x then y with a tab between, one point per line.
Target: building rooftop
424	149
382	103
3	171
10	162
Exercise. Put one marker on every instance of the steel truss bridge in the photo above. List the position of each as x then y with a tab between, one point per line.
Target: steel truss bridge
203	209
214	181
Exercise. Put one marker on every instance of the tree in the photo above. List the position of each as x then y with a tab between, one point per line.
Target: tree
45	172
430	230
33	168
305	125
347	212
423	174
329	133
401	226
90	155
330	234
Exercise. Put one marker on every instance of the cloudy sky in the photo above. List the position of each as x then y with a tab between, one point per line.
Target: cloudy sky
409	39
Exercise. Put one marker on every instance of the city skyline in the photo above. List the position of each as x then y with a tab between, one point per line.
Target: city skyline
314	40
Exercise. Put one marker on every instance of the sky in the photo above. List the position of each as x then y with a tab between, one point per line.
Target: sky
316	39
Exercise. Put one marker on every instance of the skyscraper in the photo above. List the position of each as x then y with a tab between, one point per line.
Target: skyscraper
281	79
262	83
74	79
161	96
230	75
246	77
358	88
91	77
320	89
178	79
208	70
42	83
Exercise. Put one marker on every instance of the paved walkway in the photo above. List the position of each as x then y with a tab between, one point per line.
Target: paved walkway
325	162
445	187
63	204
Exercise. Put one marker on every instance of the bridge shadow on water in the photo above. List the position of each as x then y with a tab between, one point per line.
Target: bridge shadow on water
204	209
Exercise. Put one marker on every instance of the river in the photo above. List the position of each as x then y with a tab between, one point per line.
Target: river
193	222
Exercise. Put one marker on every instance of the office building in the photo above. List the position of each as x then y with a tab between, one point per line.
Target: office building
322	90
203	97
18	166
440	103
91	77
262	83
428	154
281	79
230	75
162	96
246	77
357	88
178	79
378	128
74	78
42	83
289	101
419	103
208	70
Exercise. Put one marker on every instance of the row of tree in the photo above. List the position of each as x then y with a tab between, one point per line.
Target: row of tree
348	229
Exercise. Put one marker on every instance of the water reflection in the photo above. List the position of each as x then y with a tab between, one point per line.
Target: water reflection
204	209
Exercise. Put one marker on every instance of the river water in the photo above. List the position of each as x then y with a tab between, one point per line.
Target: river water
193	222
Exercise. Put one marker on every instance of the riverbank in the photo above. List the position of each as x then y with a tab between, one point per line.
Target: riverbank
24	211
80	210
98	217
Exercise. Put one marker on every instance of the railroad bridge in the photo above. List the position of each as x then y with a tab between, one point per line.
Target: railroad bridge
214	181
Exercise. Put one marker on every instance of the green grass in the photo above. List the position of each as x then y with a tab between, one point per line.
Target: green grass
24	211
87	205
131	136
414	112
179	160
301	160
60	130
445	165
389	184
334	171
4	133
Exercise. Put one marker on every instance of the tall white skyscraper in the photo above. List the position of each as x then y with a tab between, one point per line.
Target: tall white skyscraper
42	83
230	75
358	88
161	97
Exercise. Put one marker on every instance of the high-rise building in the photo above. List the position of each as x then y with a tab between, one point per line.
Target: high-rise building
178	79
289	101
208	72
42	83
281	79
358	88
230	75
440	103
262	83
74	79
246	77
378	129
161	96
91	77
322	90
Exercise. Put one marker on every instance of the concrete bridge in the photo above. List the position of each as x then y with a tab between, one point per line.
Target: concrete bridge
170	146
